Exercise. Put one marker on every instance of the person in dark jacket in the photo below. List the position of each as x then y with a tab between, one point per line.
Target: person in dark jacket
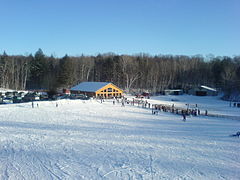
184	117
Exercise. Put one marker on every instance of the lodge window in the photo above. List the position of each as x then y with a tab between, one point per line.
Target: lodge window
105	90
109	89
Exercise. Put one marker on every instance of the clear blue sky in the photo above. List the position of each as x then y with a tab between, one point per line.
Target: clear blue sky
187	27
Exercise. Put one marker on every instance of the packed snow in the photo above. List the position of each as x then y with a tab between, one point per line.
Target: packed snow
75	139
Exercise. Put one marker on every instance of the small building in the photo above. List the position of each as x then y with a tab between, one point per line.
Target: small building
97	89
203	91
173	92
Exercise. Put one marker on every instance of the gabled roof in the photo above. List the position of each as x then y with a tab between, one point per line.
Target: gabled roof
89	86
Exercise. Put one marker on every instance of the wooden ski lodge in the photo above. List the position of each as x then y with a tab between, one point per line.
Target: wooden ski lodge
97	89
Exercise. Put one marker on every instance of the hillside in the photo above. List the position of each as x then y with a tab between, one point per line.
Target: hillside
89	140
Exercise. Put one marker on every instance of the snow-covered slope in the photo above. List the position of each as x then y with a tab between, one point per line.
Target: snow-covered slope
89	140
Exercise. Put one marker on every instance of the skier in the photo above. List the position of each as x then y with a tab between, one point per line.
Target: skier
184	117
237	134
32	104
122	103
206	112
195	112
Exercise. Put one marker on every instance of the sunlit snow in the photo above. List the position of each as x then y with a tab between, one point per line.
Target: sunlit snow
93	140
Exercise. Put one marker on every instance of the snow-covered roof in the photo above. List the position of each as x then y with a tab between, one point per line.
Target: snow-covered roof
173	90
89	86
208	88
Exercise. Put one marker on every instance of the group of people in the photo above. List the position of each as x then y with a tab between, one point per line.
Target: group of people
160	107
118	100
139	103
143	103
184	112
33	105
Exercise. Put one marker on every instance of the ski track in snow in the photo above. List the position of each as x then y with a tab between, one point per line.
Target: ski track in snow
90	140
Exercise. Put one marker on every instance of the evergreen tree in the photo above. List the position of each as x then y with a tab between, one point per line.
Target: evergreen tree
65	72
38	68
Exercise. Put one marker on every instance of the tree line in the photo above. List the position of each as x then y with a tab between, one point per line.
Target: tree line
140	72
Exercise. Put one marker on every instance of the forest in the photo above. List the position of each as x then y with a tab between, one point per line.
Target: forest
140	72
